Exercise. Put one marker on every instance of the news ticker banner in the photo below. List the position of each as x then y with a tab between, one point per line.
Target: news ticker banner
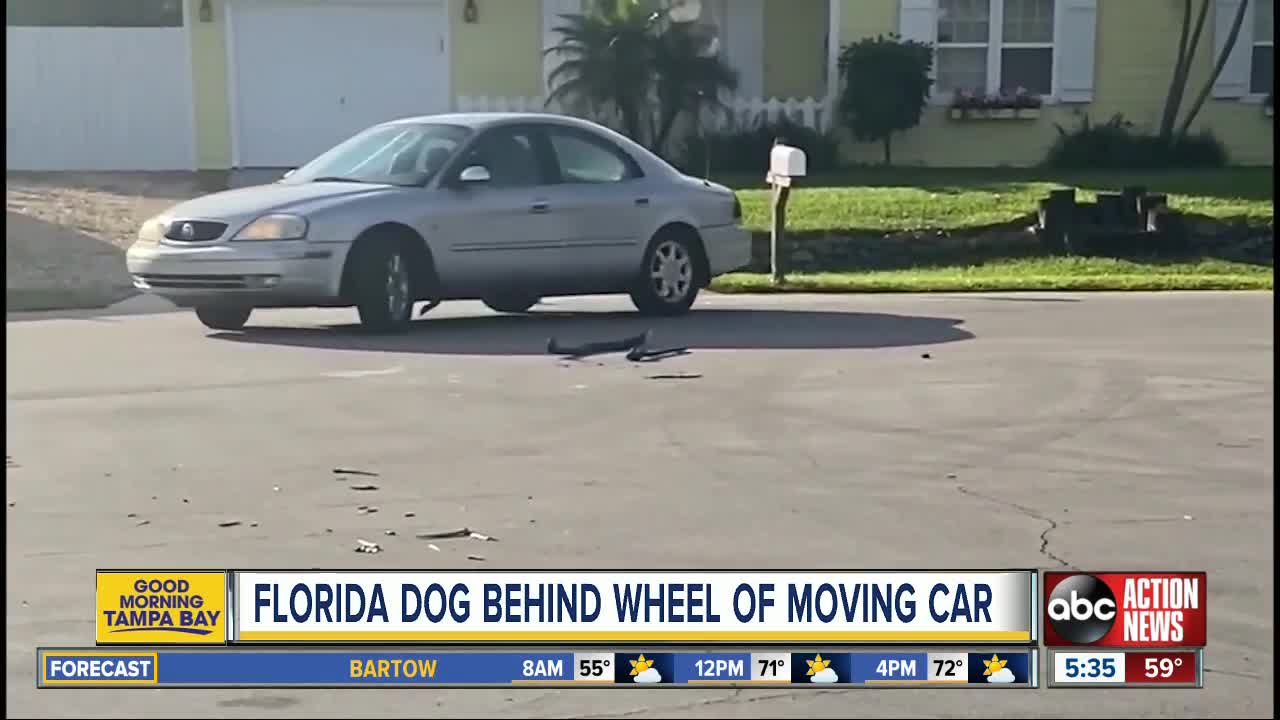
140	607
168	667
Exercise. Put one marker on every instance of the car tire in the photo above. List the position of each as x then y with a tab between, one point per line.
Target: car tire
382	284
512	303
224	318
668	282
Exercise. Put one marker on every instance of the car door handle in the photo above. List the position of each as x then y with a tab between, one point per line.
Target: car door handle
540	206
642	202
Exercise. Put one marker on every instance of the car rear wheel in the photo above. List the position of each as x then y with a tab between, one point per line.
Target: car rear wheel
512	303
382	285
668	283
224	318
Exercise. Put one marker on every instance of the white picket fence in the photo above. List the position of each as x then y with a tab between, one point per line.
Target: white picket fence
743	113
746	112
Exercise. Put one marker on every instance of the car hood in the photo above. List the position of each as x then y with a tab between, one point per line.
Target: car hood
261	199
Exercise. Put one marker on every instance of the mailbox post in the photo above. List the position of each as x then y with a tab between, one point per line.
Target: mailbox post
785	163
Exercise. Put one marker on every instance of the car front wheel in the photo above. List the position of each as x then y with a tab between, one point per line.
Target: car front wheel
668	283
383	285
224	318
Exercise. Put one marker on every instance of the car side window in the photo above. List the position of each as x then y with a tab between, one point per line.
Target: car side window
586	160
511	156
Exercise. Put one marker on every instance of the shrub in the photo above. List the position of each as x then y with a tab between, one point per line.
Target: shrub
747	150
886	86
1115	144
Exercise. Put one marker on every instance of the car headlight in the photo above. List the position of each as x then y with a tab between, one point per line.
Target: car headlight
152	231
274	227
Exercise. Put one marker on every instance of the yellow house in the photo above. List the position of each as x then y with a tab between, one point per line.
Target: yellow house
217	84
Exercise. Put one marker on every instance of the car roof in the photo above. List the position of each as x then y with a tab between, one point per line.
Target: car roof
486	119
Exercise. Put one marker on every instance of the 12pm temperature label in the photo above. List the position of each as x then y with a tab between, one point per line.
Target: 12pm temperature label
1132	669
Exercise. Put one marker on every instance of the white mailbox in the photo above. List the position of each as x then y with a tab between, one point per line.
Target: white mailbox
787	161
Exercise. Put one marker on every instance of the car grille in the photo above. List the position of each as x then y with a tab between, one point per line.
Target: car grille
192	282
194	230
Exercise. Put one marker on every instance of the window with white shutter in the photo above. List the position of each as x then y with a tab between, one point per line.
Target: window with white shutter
1026	51
994	46
964	45
1234	81
1262	70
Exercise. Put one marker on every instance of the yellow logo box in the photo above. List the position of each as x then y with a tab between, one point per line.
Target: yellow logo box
140	607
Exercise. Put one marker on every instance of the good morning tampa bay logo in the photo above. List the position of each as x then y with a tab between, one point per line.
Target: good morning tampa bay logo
154	605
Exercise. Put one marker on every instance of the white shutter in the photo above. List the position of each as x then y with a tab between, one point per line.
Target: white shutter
918	20
1234	80
551	12
1076	41
741	25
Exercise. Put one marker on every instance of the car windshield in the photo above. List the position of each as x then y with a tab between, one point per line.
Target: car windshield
399	154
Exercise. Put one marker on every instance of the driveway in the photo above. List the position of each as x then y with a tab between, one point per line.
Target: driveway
1095	431
66	233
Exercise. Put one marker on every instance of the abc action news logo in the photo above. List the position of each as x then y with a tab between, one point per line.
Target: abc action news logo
1125	609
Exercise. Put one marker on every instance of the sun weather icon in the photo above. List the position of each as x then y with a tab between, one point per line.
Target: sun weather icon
820	671
996	672
643	671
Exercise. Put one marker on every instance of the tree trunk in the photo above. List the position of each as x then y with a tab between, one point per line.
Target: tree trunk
1178	81
888	149
668	122
1192	47
631	121
1217	69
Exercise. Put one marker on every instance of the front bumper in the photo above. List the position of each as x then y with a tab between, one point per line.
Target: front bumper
261	274
728	248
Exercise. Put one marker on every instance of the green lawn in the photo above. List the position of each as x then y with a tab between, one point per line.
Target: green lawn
1038	274
873	198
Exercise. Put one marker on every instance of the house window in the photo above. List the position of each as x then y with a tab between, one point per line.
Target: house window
989	46
1262	76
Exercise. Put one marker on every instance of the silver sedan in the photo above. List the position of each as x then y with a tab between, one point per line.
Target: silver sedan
505	208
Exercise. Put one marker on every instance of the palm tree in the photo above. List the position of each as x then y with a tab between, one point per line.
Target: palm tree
690	76
608	60
623	53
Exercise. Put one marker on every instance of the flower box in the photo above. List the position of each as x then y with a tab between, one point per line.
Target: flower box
968	114
1018	105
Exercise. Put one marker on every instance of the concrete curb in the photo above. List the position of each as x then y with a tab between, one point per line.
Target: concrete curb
141	304
136	304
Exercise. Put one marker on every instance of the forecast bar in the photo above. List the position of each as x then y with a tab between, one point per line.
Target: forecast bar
382	667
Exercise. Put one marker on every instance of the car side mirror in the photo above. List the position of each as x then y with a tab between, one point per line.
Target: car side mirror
474	174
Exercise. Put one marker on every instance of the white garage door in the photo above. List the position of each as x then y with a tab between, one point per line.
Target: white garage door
306	75
97	98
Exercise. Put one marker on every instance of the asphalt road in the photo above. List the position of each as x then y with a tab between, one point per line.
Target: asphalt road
1124	432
